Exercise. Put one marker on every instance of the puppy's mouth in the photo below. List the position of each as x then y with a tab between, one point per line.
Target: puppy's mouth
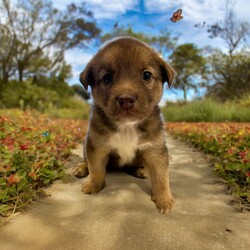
127	115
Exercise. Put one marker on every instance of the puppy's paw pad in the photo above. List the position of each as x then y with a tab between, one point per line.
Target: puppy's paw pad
80	170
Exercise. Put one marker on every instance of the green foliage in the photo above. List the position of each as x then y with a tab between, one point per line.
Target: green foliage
79	111
231	75
206	110
33	149
163	42
31	95
46	33
122	31
190	66
245	102
55	84
45	95
229	146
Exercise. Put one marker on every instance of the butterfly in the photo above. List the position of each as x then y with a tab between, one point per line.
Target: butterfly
177	16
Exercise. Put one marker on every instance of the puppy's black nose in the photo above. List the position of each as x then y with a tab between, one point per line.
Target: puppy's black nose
126	101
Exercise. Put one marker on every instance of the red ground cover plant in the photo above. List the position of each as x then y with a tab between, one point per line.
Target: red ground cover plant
229	146
32	151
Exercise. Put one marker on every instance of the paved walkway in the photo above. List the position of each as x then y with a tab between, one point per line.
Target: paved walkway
122	216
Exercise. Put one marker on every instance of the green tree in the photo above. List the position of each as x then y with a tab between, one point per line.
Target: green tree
64	72
6	53
34	29
231	75
230	70
56	81
31	95
190	65
163	43
122	31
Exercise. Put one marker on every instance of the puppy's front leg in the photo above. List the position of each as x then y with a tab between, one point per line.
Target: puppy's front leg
156	162
97	159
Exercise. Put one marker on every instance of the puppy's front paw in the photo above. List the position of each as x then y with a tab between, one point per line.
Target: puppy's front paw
81	170
164	203
91	188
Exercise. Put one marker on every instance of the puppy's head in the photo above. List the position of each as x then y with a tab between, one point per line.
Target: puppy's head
126	77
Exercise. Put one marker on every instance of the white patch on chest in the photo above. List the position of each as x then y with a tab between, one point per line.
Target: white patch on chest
125	142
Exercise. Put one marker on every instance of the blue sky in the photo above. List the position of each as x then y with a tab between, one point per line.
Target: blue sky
152	16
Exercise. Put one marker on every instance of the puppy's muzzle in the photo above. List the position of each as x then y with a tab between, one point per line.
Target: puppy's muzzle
126	101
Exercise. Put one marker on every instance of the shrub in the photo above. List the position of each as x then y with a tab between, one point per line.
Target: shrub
206	110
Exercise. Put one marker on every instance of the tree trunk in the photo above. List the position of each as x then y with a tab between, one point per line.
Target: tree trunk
184	94
5	76
4	80
5	73
20	76
20	71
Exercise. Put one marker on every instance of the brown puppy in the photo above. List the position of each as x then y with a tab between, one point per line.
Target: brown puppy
125	129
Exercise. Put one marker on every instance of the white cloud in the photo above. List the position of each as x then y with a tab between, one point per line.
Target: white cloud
111	9
242	8
193	10
78	60
159	6
78	56
104	9
198	10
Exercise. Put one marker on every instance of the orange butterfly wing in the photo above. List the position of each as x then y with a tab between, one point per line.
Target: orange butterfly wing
176	16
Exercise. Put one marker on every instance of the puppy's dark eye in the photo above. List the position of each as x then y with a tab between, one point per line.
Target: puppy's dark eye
146	76
107	78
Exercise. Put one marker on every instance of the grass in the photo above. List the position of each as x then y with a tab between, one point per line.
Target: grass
81	113
206	111
76	109
69	113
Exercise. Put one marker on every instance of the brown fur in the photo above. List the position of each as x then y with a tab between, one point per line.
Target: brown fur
123	61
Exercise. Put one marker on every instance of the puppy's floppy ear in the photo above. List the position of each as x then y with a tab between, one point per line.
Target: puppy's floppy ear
168	73
87	76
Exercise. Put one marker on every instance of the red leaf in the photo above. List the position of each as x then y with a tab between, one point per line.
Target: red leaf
243	154
24	147
230	151
8	141
24	129
32	175
13	178
3	119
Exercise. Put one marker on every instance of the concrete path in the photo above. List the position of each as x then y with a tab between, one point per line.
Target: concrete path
122	216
